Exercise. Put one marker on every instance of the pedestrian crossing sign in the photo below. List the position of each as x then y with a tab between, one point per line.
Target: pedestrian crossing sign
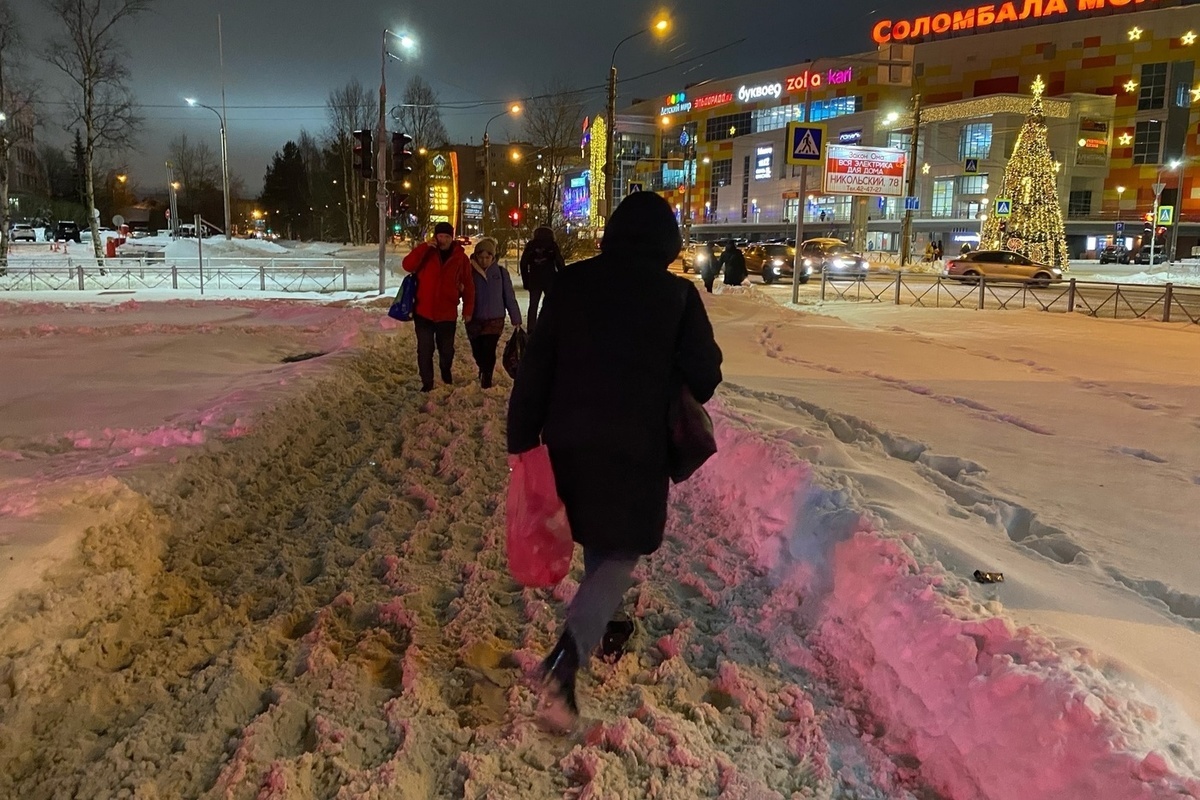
1166	215
806	143
634	187
1003	207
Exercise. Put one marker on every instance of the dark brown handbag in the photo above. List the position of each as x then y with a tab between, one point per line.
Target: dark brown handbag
690	441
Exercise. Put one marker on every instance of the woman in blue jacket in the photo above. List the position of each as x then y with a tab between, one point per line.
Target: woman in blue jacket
493	296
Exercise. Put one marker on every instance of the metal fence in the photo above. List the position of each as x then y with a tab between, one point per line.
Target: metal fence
275	274
1166	302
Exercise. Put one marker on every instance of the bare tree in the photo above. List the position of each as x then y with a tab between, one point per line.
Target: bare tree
351	108
16	115
420	117
552	125
197	169
86	48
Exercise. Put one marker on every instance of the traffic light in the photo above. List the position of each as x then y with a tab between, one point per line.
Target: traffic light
515	217
401	155
362	154
399	204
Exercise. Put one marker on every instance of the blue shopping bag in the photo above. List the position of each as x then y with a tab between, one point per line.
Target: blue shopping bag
406	300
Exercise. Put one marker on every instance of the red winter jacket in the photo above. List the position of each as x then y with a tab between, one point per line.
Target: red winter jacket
440	285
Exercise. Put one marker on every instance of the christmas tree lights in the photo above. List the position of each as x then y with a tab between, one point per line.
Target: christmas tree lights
1035	226
596	161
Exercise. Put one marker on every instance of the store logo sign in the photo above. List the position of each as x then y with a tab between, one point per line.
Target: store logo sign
747	93
675	104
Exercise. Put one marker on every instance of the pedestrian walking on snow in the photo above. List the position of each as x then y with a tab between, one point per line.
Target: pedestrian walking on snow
443	274
708	273
541	262
595	388
734	264
494	296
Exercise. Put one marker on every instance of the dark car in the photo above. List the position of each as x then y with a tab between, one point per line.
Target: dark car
66	231
1143	255
773	261
695	257
1114	254
833	257
1000	265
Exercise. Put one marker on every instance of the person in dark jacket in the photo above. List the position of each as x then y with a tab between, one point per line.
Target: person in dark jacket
541	261
734	264
493	296
710	269
443	277
617	335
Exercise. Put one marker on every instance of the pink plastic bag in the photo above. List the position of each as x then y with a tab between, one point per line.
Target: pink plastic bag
539	536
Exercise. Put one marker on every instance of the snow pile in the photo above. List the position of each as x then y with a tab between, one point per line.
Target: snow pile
218	247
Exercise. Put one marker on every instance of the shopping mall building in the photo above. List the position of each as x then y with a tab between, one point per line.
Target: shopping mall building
1120	91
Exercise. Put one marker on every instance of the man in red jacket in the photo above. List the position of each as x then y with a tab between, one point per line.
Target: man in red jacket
443	276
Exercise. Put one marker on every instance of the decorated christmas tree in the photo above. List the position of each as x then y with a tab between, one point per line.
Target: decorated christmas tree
1034	227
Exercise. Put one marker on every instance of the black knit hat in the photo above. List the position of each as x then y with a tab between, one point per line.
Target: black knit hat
443	227
643	225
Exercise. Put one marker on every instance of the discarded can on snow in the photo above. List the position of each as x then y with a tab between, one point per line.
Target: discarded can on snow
989	577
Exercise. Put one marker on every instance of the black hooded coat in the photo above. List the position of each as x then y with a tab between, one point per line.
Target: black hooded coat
596	379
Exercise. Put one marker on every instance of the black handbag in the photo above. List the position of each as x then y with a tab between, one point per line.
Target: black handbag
690	440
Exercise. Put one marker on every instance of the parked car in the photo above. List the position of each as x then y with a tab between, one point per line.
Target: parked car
1114	254
1000	265
773	261
833	257
22	232
66	231
695	257
1143	255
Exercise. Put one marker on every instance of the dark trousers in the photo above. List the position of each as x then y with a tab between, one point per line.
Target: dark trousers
535	299
606	578
432	334
483	348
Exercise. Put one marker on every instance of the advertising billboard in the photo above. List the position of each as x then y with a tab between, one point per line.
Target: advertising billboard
864	170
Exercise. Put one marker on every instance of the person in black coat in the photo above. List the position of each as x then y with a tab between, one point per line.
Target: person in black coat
594	385
541	261
734	265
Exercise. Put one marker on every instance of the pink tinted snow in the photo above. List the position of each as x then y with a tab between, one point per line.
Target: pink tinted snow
991	711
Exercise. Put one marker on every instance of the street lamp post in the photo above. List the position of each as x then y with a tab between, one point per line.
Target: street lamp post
611	113
224	163
1178	215
381	198
1158	189
515	108
906	226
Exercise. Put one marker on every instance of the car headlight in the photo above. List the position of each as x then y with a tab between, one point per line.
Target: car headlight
839	263
777	262
866	265
1056	273
808	262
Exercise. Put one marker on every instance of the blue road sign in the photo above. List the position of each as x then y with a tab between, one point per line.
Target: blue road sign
1003	207
1120	226
972	166
912	204
806	143
634	187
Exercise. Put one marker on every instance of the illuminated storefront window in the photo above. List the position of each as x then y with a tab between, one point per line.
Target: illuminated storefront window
975	140
943	198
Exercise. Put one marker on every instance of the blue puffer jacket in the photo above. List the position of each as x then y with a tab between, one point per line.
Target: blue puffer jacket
494	294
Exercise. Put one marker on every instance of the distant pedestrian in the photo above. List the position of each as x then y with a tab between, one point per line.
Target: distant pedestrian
966	248
937	250
930	252
709	271
734	265
595	387
494	296
540	263
443	278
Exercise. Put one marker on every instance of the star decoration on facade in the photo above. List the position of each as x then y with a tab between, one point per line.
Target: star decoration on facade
732	130
1188	38
1196	95
1057	166
1131	86
1126	140
925	169
1135	33
1038	86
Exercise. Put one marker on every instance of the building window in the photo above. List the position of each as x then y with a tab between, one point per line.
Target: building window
828	209
899	140
722	175
834	107
975	140
772	119
971	184
728	126
1183	95
1079	203
1153	87
943	197
1147	142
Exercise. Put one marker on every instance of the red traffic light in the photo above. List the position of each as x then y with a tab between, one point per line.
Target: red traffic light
515	216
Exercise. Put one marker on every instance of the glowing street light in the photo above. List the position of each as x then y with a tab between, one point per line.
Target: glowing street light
513	109
191	101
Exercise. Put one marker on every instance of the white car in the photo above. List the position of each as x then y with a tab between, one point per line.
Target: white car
23	232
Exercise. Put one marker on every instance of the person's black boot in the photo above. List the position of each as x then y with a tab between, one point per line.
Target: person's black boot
617	634
558	709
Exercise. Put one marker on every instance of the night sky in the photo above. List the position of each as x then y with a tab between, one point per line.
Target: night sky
283	57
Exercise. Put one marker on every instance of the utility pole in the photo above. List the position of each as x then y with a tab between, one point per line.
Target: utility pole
906	227
797	259
381	166
610	138
224	135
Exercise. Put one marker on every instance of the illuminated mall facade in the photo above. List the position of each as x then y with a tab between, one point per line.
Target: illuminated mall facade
1121	97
